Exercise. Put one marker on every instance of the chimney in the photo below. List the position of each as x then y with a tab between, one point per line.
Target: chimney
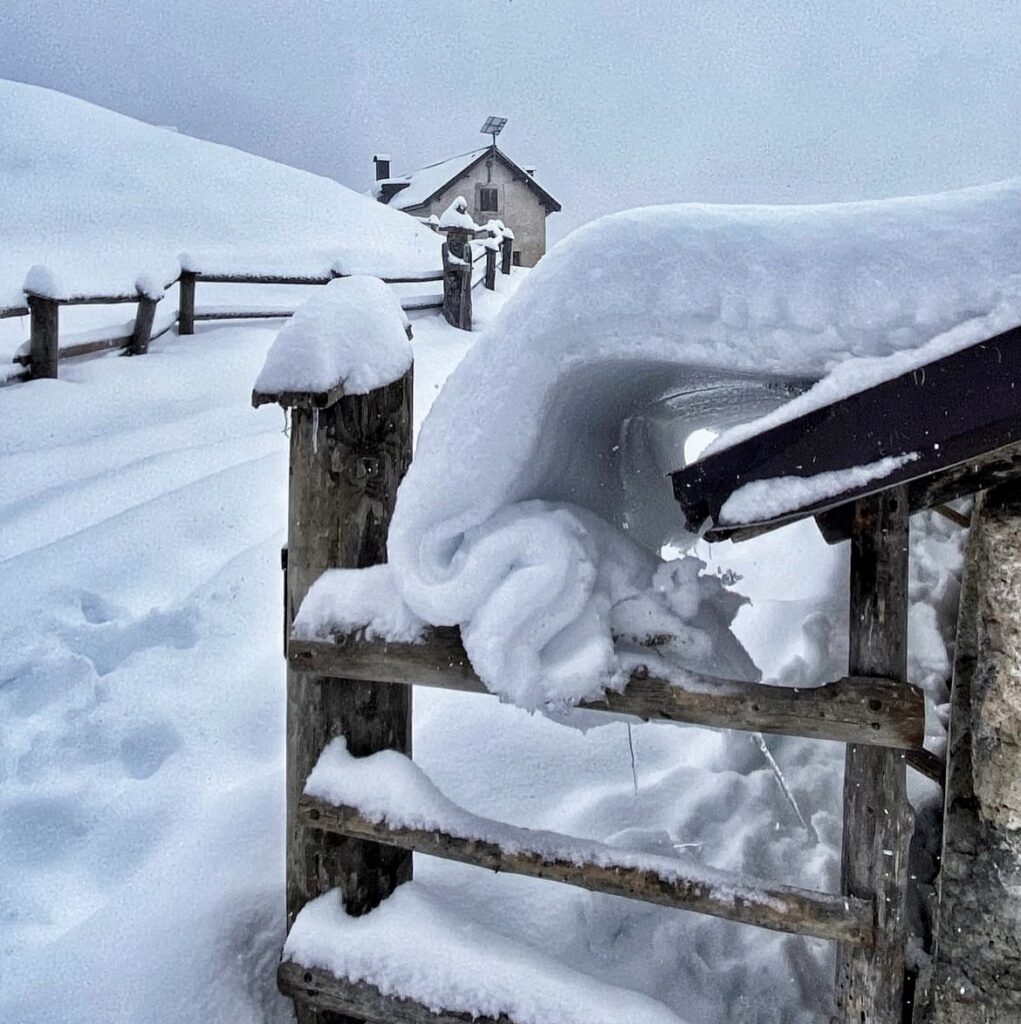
382	162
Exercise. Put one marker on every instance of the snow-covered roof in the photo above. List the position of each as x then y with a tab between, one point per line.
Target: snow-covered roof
425	183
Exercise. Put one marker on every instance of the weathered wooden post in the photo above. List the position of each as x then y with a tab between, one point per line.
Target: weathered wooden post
186	303
977	972
878	819
506	251
491	264
44	344
457	264
348	454
144	318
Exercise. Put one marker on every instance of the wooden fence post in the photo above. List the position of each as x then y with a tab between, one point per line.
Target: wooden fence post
44	344
346	462
878	820
491	269
977	973
186	303
457	278
142	332
506	250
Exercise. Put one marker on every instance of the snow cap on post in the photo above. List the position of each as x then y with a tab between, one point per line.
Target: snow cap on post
349	338
456	215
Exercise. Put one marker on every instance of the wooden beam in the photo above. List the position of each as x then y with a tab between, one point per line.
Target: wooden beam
140	336
299	399
865	710
338	516
305	279
716	893
878	820
949	413
491	269
44	343
186	303
931	492
359	1001
242	314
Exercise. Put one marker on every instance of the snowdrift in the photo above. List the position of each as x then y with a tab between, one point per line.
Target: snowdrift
536	503
100	198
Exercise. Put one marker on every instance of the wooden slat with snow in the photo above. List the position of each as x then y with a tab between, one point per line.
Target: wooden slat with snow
869	711
716	893
360	1001
951	414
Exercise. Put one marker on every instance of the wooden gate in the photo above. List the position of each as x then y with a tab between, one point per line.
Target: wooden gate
348	454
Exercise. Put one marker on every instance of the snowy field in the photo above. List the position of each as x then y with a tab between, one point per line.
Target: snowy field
141	708
142	511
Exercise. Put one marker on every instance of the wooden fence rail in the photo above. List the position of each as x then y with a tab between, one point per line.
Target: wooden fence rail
44	353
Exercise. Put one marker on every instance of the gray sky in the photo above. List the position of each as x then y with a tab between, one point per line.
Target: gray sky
617	104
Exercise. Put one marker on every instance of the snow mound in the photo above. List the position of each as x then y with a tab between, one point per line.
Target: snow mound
456	216
353	332
413	947
100	198
556	430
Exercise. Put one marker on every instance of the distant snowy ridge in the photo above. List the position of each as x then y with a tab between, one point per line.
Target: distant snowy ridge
99	199
549	439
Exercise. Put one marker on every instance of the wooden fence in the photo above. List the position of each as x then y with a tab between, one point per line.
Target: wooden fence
359	689
45	351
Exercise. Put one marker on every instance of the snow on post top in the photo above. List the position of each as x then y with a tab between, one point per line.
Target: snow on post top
350	337
456	216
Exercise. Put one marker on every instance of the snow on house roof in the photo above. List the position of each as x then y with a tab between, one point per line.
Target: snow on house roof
424	183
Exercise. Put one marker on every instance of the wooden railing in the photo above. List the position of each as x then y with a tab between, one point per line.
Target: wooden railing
345	685
45	351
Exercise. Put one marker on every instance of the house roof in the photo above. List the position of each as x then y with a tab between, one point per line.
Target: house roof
419	187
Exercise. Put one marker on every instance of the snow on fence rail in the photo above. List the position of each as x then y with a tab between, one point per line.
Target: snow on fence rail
39	357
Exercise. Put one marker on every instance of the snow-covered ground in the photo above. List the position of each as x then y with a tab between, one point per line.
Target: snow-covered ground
99	199
141	709
142	509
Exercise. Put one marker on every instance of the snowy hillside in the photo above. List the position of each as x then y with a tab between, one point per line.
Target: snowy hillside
100	198
141	672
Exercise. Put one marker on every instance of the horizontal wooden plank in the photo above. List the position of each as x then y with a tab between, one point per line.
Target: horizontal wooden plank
716	893
9	311
948	413
311	279
357	1000
14	378
116	299
930	492
876	712
274	313
224	278
88	348
298	399
412	305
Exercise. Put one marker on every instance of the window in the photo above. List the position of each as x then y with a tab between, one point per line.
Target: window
488	199
516	257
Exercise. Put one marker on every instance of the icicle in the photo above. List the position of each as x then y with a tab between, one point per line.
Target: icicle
315	431
760	741
634	768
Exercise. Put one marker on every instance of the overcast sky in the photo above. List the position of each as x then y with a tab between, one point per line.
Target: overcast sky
616	104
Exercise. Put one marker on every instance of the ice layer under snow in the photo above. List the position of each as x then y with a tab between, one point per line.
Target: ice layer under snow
537	498
351	331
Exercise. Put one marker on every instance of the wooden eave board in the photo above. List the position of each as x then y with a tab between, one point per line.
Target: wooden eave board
952	411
